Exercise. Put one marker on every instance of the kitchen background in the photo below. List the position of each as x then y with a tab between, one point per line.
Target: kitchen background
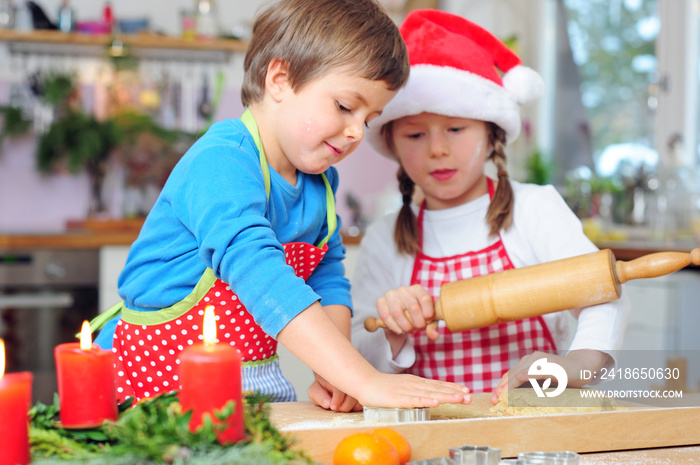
93	118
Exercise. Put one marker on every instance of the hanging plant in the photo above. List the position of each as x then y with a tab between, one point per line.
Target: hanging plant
52	88
80	142
14	123
77	139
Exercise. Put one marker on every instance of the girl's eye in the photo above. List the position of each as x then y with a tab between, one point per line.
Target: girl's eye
456	129
366	125
341	107
415	135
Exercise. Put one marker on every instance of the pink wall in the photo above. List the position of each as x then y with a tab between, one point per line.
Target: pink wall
30	202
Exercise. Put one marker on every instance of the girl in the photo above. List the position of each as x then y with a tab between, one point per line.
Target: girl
455	114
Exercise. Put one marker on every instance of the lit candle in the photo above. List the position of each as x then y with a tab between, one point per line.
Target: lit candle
15	400
86	384
210	374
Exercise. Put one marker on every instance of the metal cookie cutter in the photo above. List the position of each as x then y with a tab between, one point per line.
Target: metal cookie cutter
465	455
544	458
396	415
433	461
475	455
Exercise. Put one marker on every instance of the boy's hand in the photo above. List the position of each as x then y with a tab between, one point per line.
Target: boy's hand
330	354
405	310
408	391
325	395
573	363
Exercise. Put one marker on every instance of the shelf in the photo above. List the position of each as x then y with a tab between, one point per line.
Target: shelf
142	45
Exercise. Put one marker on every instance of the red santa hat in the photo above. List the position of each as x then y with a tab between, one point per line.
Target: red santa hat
455	68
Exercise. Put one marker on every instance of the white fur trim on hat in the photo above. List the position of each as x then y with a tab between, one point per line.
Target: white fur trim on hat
451	92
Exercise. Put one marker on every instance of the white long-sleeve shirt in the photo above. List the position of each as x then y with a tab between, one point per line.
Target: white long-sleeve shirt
543	229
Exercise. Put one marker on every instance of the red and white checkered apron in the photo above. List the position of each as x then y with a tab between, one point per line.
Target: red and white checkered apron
477	358
147	354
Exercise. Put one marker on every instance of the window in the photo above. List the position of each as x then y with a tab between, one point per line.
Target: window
605	97
613	48
625	103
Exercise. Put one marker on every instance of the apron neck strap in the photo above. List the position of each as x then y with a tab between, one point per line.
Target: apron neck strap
331	218
490	187
252	127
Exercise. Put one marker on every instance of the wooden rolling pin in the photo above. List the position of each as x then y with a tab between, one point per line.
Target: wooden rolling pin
535	290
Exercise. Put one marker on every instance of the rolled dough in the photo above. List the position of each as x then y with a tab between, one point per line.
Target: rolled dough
525	402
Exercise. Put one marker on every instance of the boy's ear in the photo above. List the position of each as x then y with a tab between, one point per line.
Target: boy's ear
277	78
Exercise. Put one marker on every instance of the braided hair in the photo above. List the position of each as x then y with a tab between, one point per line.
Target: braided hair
500	212
406	232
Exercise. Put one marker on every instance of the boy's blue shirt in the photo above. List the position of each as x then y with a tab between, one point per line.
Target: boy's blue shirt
213	212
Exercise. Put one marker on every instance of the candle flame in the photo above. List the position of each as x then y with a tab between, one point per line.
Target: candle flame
209	325
85	336
2	358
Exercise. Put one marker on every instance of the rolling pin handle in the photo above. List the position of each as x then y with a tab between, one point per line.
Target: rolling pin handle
655	264
695	256
372	324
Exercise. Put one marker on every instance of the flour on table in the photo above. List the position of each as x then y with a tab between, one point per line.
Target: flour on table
338	421
525	402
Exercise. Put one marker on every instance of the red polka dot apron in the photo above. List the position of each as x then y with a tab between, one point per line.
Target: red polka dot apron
477	358
147	344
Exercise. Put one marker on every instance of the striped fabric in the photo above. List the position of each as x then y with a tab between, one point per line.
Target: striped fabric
267	379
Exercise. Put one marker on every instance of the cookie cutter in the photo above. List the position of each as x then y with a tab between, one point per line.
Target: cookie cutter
544	458
433	461
475	455
396	415
465	455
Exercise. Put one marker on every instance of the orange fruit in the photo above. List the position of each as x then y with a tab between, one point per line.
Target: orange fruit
398	440
365	449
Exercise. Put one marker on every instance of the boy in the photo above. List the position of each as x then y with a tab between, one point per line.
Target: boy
246	222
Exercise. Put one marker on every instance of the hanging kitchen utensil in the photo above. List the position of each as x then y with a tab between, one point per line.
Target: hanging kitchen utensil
204	108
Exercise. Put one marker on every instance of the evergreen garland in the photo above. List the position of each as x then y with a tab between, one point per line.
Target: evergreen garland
155	432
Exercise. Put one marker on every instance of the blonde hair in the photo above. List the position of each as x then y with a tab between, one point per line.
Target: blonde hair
315	36
498	216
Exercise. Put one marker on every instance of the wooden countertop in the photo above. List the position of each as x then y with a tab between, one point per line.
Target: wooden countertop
90	234
87	234
69	240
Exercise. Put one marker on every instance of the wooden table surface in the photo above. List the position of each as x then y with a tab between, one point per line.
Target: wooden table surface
632	435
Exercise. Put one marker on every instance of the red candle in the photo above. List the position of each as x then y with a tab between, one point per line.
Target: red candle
86	385
15	400
210	374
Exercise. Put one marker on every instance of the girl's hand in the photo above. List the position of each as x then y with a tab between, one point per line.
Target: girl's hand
407	309
408	391
325	395
573	363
